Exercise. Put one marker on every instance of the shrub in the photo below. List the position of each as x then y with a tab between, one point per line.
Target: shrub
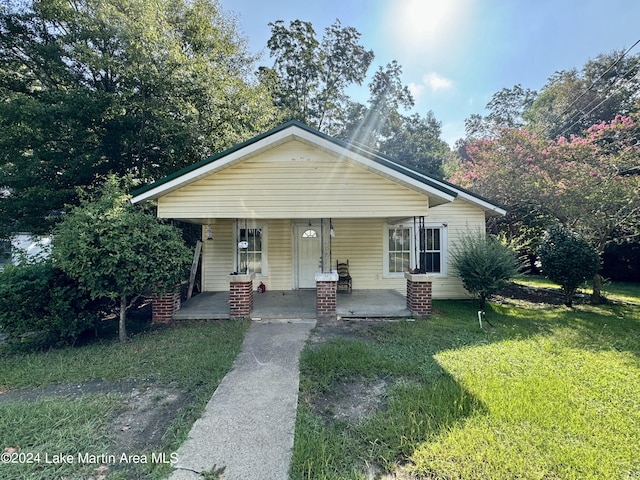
41	304
567	259
484	264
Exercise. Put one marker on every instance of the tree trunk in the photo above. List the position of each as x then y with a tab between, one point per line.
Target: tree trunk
122	325
568	296
596	297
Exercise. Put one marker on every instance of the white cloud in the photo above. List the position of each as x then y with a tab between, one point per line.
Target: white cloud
437	82
416	89
431	81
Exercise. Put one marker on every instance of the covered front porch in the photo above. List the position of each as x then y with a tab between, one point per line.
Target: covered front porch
298	304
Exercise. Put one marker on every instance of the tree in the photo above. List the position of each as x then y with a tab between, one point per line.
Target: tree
507	109
309	78
417	143
484	264
574	100
586	183
90	87
567	259
117	251
373	124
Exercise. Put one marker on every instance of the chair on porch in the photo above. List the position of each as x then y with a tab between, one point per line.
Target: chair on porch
344	279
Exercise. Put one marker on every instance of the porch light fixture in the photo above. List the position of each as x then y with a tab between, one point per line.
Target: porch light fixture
209	233
332	232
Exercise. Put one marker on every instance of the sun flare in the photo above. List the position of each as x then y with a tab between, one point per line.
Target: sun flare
423	25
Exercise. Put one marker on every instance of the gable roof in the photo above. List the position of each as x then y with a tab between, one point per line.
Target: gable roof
439	191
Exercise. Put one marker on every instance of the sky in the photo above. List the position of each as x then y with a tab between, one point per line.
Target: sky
455	54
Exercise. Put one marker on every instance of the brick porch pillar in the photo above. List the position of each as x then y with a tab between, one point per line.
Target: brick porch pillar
164	306
326	288
241	295
419	294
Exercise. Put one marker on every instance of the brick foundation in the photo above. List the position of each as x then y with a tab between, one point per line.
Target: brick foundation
326	289
419	295
240	296
164	306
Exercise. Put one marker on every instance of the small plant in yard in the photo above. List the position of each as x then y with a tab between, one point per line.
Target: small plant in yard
567	259
484	264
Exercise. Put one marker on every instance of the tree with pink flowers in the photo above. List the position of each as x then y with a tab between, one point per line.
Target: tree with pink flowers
589	183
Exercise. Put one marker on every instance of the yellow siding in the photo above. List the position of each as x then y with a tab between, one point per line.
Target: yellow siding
460	217
293	180
280	255
361	241
218	256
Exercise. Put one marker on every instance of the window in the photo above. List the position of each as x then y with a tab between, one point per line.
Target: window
250	250
430	250
310	234
405	250
399	254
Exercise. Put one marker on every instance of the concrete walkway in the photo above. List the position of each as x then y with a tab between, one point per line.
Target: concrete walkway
248	425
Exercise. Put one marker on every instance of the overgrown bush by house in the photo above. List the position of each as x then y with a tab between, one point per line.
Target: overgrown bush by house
41	306
567	259
484	264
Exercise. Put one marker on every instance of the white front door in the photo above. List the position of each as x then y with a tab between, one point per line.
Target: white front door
308	252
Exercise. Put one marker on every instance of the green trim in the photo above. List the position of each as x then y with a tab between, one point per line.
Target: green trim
360	150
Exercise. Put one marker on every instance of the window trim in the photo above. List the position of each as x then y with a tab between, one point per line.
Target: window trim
254	225
412	260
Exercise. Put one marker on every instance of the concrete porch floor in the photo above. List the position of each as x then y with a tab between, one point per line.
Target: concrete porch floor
297	304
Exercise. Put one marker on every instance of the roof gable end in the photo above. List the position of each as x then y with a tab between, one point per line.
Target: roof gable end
438	191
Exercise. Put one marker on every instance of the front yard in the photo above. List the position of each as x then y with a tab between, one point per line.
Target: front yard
547	393
64	412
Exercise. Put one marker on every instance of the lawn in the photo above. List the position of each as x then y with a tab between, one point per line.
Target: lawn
189	359
547	393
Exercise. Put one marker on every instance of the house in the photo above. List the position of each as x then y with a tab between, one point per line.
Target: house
285	206
23	244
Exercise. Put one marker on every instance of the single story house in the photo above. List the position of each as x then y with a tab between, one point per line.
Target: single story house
292	202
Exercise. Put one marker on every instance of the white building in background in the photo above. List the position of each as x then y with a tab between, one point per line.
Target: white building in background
23	244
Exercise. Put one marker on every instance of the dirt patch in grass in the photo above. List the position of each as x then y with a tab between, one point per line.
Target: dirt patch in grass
145	413
352	401
350	329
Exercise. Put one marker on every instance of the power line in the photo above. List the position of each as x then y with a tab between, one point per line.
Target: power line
584	115
593	84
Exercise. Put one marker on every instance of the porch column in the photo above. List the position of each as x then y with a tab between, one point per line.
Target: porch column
164	306
326	287
419	294
241	295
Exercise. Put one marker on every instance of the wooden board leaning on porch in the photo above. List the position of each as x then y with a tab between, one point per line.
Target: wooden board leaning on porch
194	268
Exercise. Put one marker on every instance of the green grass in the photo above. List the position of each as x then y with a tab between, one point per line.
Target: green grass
52	427
193	357
613	291
549	393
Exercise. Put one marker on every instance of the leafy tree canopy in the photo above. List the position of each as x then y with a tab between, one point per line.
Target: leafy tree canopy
90	87
309	81
587	183
309	77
